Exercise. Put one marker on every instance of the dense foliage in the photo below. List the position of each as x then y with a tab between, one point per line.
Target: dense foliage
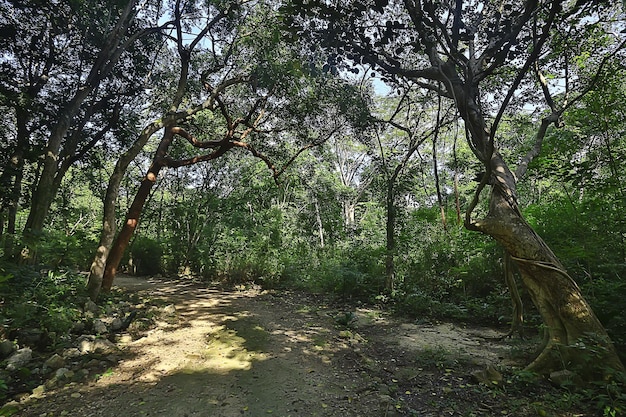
322	224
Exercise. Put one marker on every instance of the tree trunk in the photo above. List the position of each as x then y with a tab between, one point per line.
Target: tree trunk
320	225
107	57
390	225
349	221
132	218
569	320
96	272
517	316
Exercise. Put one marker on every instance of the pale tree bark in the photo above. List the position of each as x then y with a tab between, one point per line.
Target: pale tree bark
318	221
517	314
568	318
349	164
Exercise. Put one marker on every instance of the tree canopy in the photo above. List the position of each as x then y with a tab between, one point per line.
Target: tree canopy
251	141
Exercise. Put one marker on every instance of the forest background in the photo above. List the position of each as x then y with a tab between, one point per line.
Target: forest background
289	165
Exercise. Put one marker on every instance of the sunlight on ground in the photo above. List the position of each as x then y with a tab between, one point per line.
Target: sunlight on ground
226	351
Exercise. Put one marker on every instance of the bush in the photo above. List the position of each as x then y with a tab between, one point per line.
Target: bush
146	255
47	301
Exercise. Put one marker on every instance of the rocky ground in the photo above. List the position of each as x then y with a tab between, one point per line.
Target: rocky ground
177	348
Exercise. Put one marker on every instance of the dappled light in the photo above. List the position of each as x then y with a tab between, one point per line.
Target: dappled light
306	208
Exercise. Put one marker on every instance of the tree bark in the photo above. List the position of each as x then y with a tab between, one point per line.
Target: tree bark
132	218
320	225
109	227
390	225
569	320
517	319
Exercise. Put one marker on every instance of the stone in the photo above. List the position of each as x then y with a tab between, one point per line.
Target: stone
55	361
85	344
78	327
169	310
19	359
30	337
6	348
116	324
62	373
99	326
489	375
93	363
565	378
104	346
38	392
71	353
10	408
91	307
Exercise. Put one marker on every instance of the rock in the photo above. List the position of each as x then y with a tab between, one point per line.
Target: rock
169	310
93	363
117	324
38	392
85	344
90	344
78	327
489	375
6	348
30	337
71	353
99	326
19	359
565	378
105	346
124	307
10	408
62	372
54	362
91	307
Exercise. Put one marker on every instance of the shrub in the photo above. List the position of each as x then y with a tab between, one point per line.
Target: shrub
146	255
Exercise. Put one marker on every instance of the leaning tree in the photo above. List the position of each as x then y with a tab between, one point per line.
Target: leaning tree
238	86
486	57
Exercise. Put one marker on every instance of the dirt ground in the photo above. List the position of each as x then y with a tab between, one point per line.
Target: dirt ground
250	352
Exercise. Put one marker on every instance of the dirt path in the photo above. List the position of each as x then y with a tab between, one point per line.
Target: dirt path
254	353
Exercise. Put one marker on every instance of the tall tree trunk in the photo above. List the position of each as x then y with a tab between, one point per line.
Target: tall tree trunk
44	192
390	226
348	208
134	212
320	225
568	317
109	227
517	319
12	177
107	58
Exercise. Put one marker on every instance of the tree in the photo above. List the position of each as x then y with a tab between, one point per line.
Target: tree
85	66
466	52
242	92
410	124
